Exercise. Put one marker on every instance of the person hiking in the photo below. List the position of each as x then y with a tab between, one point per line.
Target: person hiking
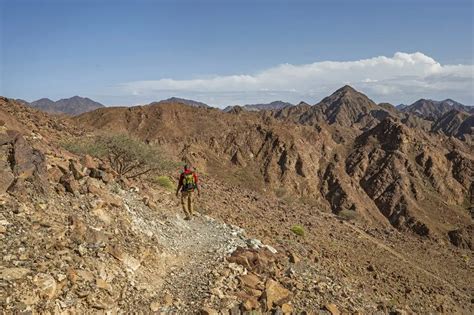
188	183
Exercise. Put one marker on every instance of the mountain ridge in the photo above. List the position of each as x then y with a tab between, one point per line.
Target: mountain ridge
74	105
275	105
279	150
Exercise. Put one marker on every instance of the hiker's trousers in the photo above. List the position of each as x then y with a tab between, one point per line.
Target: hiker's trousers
187	202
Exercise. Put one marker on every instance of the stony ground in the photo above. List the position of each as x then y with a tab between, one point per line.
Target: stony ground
357	266
106	247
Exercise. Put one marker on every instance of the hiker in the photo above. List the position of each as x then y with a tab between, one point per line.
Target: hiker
188	182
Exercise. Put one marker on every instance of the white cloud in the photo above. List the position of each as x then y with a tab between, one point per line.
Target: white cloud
404	77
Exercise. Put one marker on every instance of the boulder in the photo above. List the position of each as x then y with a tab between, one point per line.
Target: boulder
76	169
276	294
6	174
55	173
69	183
89	162
21	166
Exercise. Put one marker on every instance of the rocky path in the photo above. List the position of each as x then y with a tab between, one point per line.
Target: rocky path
195	252
202	245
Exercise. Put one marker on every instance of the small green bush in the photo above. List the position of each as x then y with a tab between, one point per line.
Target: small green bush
297	229
347	215
165	182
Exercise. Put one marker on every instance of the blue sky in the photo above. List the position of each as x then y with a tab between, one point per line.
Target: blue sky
228	52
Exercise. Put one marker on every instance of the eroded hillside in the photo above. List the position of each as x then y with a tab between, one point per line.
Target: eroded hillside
346	154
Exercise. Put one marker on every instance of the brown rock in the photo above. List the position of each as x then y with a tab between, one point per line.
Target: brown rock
253	292
116	252
250	304
251	280
101	303
6	174
94	188
26	164
332	308
75	169
102	284
276	294
294	259
46	285
69	183
208	311
286	308
72	275
79	229
155	306
168	299
102	214
84	275
54	174
30	298
10	274
243	261
89	162
107	178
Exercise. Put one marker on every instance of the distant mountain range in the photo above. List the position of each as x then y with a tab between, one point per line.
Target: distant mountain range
427	109
182	101
433	110
256	107
71	106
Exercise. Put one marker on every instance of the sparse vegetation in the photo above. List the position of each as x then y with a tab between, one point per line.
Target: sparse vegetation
347	215
127	156
298	230
165	182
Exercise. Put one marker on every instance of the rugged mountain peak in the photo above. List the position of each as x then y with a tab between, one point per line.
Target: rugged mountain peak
346	89
347	107
346	92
